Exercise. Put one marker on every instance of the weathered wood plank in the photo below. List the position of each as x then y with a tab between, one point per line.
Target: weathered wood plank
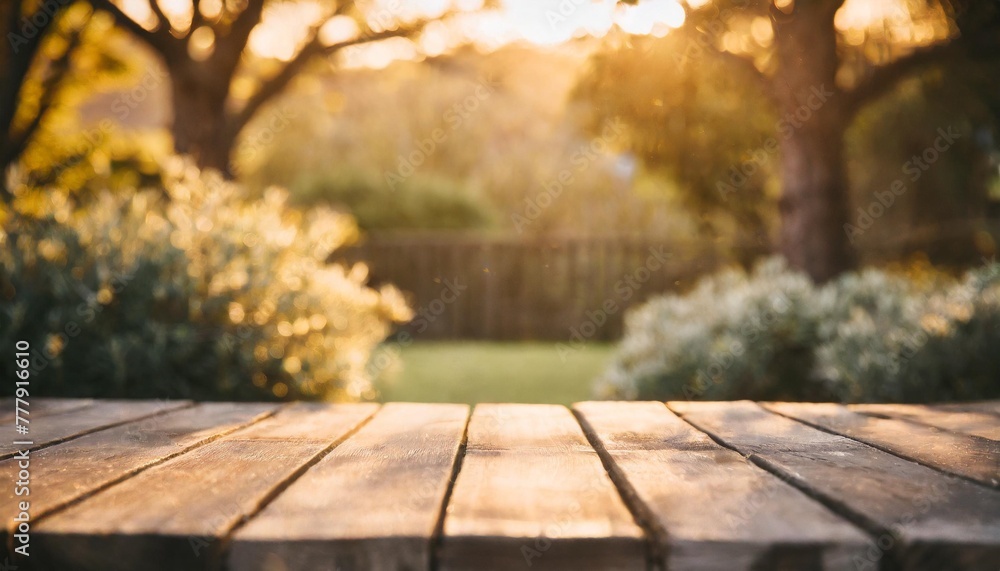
40	407
709	507
66	472
924	519
173	515
968	456
61	427
979	424
532	492
988	407
374	502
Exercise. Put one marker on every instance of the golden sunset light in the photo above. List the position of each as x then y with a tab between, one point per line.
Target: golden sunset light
286	25
500	284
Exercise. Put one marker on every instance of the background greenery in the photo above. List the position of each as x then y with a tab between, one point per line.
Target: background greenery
188	291
913	335
473	372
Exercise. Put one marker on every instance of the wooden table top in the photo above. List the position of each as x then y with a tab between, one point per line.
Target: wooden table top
175	485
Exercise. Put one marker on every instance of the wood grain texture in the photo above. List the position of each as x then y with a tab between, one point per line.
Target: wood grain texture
960	454
374	502
981	424
533	493
38	407
923	519
174	515
710	508
67	472
57	428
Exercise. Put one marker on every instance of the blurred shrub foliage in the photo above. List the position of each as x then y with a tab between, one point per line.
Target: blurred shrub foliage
870	336
187	290
416	202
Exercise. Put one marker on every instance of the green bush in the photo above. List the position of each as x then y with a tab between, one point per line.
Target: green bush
188	291
418	202
772	335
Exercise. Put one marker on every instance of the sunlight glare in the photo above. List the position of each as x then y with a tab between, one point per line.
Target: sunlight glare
379	55
862	14
434	40
284	27
139	11
542	22
202	43
211	8
178	13
643	17
338	29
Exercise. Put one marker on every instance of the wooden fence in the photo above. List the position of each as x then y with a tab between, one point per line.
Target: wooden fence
560	288
564	288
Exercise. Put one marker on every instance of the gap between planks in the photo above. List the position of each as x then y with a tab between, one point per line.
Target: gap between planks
72	423
437	539
687	485
533	492
283	485
858	519
156	534
645	520
966	456
393	528
73	498
960	533
973	423
642	513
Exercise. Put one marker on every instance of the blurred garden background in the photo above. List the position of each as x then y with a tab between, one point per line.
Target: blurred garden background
502	200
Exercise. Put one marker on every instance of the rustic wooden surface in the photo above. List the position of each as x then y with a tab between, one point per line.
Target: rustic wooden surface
532	492
982	424
374	502
708	506
969	456
919	517
219	484
154	486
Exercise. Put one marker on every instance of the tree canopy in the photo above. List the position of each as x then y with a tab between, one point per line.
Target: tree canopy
813	65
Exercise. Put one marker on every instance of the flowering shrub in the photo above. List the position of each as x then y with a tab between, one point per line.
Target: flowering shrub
890	339
868	336
188	291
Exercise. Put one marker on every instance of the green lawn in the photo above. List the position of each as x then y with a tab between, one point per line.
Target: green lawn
471	372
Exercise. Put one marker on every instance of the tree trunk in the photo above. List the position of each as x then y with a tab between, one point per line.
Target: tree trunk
201	127
815	201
